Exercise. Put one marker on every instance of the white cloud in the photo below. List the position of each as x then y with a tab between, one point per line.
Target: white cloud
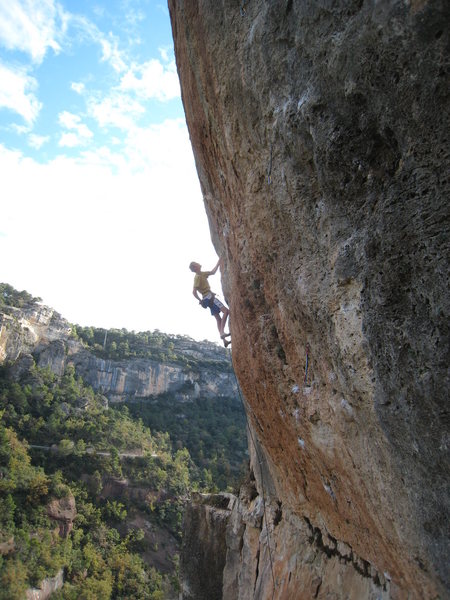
37	141
111	54
134	16
69	140
152	79
164	52
17	92
69	120
124	106
78	87
110	234
162	146
32	26
79	133
117	110
85	31
20	129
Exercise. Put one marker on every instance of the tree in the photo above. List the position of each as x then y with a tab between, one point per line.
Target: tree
115	510
7	509
38	487
66	447
80	447
96	483
13	580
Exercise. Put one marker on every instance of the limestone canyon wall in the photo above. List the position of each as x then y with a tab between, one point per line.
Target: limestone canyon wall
40	330
320	133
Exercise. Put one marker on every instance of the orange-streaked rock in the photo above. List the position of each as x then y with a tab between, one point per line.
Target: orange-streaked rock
319	134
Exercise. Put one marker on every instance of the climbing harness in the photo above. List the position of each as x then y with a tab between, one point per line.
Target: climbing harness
243	11
262	477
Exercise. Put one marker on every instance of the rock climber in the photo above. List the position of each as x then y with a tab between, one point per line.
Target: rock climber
218	310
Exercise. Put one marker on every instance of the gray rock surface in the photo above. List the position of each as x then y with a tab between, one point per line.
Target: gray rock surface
141	378
48	586
41	331
204	548
63	511
320	134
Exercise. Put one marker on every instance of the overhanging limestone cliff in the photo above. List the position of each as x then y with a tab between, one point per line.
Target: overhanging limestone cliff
320	133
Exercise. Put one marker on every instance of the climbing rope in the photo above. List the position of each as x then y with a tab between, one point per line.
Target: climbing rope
306	365
261	473
269	168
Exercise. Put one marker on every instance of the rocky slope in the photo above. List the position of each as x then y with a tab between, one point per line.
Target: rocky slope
320	133
49	586
40	330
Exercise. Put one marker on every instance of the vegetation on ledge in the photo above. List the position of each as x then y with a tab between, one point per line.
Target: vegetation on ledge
9	296
120	344
129	468
77	444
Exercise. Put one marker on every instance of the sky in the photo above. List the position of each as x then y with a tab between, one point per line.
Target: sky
100	205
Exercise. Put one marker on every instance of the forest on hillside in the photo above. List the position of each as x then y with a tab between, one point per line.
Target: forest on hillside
120	344
128	469
214	431
86	441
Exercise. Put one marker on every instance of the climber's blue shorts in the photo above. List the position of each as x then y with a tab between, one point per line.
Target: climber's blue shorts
214	305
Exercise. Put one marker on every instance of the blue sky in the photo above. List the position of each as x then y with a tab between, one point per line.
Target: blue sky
101	209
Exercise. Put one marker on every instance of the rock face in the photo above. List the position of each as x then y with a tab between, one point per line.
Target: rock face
204	546
229	552
42	331
63	511
22	330
49	586
141	378
320	133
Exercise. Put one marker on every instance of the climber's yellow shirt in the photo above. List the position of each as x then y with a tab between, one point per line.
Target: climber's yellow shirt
201	282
